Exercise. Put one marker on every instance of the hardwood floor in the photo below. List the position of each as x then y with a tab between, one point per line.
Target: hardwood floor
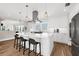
7	49
61	49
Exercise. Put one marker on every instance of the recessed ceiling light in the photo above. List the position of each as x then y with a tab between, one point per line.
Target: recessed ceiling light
45	12
26	16
20	12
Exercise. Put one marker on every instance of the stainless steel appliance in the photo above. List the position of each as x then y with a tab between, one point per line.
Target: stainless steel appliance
74	34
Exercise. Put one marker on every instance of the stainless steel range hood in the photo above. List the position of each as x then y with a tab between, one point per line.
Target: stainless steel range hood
34	16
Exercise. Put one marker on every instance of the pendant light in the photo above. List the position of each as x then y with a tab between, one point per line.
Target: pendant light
26	17
45	13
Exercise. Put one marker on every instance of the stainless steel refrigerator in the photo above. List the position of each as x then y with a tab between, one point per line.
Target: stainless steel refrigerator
74	34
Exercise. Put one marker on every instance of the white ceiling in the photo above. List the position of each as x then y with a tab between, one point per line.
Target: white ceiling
11	10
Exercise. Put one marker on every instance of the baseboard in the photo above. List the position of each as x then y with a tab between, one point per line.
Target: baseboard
7	39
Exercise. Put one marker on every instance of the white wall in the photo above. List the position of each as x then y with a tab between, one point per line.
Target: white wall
74	11
59	22
63	22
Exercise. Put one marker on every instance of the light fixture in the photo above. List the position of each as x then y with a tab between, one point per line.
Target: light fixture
45	12
26	17
20	12
67	4
19	15
45	15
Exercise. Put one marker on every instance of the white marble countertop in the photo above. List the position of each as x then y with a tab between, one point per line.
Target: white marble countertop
47	40
46	43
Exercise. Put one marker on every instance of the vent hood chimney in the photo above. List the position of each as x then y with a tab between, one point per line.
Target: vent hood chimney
67	4
35	16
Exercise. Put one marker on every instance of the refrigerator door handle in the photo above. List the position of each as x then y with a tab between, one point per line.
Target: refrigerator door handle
75	44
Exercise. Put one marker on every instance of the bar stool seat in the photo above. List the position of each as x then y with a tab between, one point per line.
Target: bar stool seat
34	43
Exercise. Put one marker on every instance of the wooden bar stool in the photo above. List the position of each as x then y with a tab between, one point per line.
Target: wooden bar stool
16	41
23	44
34	43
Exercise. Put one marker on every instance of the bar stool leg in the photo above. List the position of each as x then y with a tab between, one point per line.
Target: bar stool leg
35	49
40	49
14	42
24	47
29	49
19	45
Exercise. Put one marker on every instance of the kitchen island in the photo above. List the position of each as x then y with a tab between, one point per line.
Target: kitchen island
47	41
